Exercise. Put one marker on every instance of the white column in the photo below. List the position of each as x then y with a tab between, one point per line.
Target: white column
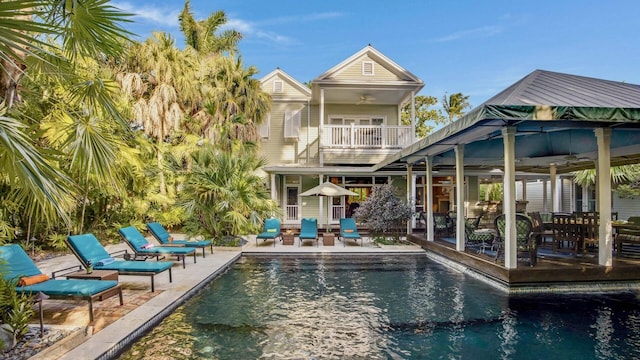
321	130
603	176
509	200
585	196
545	202
460	234
274	193
413	200
320	202
413	117
410	195
552	181
428	203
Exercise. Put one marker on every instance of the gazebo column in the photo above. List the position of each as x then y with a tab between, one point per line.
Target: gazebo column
320	201
603	176
509	200
411	188
428	203
553	183
460	233
545	202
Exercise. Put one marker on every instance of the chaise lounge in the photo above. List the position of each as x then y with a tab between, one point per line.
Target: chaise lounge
17	265
162	235
271	231
308	230
348	230
86	247
142	248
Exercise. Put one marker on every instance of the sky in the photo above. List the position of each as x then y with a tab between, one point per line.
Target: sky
476	47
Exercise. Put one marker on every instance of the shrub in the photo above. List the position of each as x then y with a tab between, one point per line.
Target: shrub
384	213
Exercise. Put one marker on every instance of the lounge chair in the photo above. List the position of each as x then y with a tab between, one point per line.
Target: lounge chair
309	230
271	231
348	230
18	265
86	247
142	248
162	235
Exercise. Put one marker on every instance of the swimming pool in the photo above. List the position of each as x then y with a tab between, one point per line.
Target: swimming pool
391	307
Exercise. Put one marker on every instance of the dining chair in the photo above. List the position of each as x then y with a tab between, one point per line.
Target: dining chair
589	230
525	241
565	232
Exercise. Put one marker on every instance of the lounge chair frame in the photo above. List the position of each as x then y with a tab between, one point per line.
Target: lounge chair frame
158	255
162	239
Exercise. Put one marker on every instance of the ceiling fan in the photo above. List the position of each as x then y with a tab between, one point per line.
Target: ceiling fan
365	99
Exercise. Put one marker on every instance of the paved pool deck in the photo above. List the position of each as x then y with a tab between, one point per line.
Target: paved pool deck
117	326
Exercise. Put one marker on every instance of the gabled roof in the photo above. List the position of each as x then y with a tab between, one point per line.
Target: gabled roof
557	89
554	115
278	73
372	53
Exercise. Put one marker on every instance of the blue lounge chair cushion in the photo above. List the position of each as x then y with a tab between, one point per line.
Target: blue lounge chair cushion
348	229
160	233
271	229
17	264
87	247
132	236
309	229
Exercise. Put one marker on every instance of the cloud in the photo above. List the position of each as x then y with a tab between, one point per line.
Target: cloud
150	14
482	32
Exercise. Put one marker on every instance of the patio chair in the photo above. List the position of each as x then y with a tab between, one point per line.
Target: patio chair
539	230
565	233
18	266
441	224
348	230
271	231
478	237
86	247
142	248
590	230
525	241
162	235
309	230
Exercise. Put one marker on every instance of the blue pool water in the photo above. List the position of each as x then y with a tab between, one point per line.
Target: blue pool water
403	307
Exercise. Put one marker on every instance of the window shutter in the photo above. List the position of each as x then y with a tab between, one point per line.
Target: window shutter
264	127
292	124
367	68
278	86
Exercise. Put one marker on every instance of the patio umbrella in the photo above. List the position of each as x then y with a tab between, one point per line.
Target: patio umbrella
330	190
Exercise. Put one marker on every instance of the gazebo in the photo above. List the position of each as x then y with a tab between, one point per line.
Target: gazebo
547	122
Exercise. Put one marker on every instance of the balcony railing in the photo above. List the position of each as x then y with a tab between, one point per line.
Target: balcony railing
292	213
367	136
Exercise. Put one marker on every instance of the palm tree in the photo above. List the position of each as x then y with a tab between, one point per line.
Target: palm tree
201	35
236	92
454	105
619	175
77	29
223	194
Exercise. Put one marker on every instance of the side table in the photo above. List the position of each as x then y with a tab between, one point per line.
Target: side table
328	239
94	275
287	239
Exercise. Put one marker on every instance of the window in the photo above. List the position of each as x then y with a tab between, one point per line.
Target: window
367	68
292	124
263	128
278	86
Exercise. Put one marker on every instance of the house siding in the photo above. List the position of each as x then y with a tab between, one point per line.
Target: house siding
354	72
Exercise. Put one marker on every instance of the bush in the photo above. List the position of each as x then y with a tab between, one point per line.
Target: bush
384	213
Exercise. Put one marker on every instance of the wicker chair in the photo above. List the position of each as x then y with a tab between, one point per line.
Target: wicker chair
525	241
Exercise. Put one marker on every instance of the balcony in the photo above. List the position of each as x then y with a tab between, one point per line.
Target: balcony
366	136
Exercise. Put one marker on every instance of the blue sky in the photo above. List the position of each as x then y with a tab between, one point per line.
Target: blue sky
474	47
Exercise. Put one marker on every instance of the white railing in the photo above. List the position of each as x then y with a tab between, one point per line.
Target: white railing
292	212
337	213
367	136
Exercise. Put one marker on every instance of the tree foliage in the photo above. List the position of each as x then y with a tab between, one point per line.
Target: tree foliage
384	213
427	118
454	105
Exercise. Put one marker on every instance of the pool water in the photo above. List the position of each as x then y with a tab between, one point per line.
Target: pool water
401	307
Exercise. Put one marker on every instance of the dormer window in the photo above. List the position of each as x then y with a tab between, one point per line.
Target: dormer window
278	86
367	68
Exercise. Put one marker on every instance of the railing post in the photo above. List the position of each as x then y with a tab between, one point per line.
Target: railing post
383	140
352	136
